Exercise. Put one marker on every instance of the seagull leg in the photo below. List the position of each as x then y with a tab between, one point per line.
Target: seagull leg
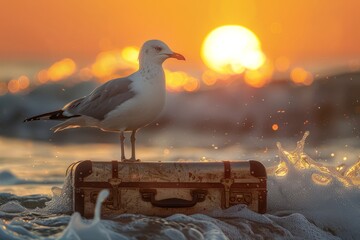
122	139
133	146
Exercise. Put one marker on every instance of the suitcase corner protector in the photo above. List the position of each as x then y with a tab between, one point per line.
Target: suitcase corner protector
257	169
83	169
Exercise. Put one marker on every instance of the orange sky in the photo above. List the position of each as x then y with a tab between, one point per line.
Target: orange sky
303	31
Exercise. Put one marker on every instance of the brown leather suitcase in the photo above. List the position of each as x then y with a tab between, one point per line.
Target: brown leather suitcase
166	188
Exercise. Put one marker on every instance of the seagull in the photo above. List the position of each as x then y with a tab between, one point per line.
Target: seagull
122	104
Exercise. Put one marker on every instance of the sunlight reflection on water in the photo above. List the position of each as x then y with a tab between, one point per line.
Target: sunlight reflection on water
36	166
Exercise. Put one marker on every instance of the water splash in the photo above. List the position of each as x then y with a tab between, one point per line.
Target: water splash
79	228
322	174
62	199
100	199
300	209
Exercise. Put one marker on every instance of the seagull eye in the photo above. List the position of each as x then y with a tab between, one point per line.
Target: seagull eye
158	49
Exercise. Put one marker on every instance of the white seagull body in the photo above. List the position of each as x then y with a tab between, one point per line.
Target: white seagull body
123	104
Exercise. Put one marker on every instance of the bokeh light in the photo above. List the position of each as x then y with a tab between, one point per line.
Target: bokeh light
13	86
301	76
106	64
61	69
130	55
259	77
117	62
24	82
42	76
275	127
210	77
181	81
114	63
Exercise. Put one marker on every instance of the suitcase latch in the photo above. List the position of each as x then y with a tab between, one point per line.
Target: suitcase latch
115	182
240	197
227	182
113	201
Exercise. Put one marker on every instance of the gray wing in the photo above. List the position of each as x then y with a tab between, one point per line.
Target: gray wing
103	99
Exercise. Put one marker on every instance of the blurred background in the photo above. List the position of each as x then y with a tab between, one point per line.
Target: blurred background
254	70
257	73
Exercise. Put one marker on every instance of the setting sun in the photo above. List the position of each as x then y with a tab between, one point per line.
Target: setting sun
232	49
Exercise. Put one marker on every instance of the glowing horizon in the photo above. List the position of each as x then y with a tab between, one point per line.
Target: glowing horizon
61	31
284	44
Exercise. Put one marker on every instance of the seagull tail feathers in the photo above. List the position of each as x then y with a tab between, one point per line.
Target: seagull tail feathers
56	115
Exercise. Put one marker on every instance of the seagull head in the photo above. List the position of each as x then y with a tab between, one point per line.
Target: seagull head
157	51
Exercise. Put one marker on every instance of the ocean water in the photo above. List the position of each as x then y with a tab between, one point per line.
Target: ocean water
313	193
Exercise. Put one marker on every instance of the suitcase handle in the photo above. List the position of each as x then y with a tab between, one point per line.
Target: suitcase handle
148	195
